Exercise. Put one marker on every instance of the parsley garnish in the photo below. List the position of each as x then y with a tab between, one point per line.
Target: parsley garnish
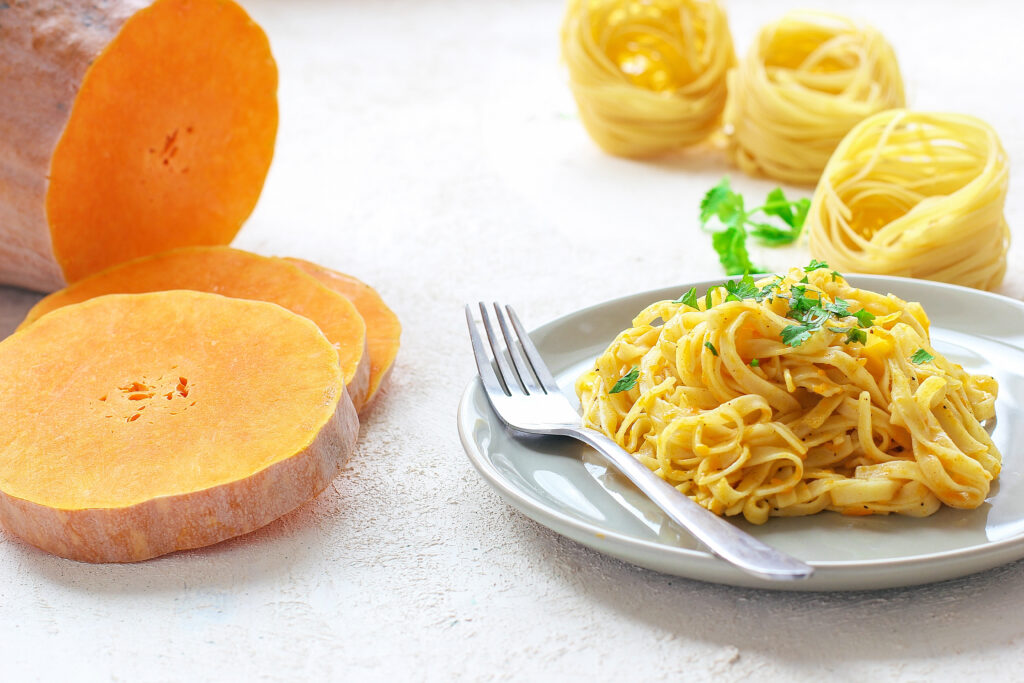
707	300
690	298
795	335
855	335
754	363
865	318
711	347
839	308
730	241
921	356
767	290
743	288
627	381
811	312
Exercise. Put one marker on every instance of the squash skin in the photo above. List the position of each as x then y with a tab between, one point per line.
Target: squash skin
133	531
113	534
47	51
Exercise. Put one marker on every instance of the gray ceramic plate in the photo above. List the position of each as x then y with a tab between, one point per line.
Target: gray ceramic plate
566	486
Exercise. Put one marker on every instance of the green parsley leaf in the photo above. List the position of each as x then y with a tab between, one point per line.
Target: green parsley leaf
744	288
711	347
730	241
690	298
731	246
795	335
840	308
921	356
793	212
865	318
772	235
722	202
836	275
627	381
814	265
767	290
856	335
707	300
755	363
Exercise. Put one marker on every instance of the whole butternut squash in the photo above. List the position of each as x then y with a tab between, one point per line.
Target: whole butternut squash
206	418
127	127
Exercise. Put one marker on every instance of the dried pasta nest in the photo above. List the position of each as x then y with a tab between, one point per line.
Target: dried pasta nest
808	79
915	194
648	77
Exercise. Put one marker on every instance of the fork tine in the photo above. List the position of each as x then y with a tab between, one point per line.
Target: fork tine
483	364
505	373
522	368
540	369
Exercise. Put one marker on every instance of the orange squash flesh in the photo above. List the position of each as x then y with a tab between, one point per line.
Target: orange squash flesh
239	274
383	329
206	418
127	128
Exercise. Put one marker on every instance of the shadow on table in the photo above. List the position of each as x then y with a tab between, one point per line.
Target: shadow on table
262	556
973	613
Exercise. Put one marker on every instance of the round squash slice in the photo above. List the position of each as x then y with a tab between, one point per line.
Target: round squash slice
165	421
383	330
127	127
241	274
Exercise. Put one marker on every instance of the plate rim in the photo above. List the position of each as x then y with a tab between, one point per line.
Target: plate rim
537	511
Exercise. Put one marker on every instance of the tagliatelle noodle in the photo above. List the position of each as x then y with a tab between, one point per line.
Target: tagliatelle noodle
648	77
915	194
859	427
808	79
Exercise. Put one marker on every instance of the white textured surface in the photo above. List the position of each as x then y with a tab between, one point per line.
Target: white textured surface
431	148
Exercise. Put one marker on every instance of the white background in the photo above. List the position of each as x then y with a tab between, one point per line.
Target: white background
432	149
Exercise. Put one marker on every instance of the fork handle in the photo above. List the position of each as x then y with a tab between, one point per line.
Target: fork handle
722	538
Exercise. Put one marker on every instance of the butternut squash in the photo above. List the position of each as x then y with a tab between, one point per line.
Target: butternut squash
127	127
140	424
240	274
383	329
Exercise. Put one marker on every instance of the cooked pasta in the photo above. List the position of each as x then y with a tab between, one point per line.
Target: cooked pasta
808	79
793	396
915	194
648	76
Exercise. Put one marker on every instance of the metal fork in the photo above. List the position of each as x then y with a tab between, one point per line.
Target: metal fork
526	397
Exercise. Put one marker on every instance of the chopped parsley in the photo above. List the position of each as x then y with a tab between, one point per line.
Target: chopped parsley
865	318
807	309
921	356
743	288
690	298
627	381
795	335
754	363
730	240
711	347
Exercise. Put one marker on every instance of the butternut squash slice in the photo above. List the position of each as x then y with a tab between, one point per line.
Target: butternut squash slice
140	424
239	274
383	329
127	127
